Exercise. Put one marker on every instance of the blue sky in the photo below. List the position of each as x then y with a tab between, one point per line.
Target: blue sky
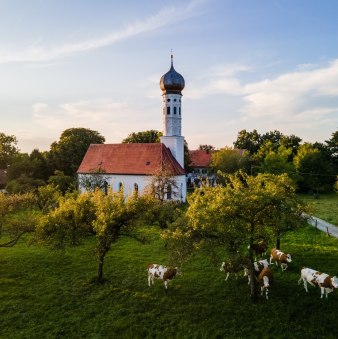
247	64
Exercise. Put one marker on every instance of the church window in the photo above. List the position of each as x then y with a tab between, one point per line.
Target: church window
175	100
179	110
120	187
136	188
168	100
168	110
174	109
169	192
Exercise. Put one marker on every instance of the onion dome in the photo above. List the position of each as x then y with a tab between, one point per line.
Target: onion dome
172	82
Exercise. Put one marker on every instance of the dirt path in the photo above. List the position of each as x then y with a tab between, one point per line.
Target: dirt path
324	226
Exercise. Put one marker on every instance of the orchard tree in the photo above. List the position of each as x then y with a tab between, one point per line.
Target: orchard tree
105	216
68	152
237	215
8	149
16	217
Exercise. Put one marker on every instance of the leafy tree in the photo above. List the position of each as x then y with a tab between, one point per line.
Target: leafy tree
275	160
207	148
229	160
237	215
68	152
150	136
8	149
311	168
249	141
48	197
106	216
93	181
61	181
14	221
24	184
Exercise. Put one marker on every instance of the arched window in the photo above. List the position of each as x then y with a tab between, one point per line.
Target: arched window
120	186
174	109
179	110
168	100
169	192
168	110
136	188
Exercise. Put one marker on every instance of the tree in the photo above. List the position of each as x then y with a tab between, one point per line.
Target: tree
106	216
249	141
150	136
237	215
207	148
8	149
61	181
68	152
14	221
229	160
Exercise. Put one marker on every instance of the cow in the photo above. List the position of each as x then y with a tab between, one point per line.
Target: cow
260	248
160	272
231	266
265	279
281	258
315	278
258	268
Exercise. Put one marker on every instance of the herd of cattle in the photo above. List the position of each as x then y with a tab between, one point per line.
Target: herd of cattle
262	272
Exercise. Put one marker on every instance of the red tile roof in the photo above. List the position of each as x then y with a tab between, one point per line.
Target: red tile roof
199	158
144	159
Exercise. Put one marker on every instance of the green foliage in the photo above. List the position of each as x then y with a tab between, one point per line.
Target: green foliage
150	136
230	160
14	221
8	149
48	197
24	184
69	151
61	181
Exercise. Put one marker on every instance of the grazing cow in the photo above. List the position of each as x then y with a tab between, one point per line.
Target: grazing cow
281	258
162	273
231	266
265	279
315	278
258	268
260	248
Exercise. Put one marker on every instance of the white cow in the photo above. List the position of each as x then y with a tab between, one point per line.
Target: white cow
160	272
315	278
258	268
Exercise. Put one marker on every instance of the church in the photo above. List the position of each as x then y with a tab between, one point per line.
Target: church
132	166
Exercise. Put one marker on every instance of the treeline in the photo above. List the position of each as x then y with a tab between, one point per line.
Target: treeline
312	166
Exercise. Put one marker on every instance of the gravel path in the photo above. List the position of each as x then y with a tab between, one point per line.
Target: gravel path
324	226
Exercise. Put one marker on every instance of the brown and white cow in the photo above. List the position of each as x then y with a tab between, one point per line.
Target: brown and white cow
315	278
231	266
258	268
265	279
281	258
161	272
260	248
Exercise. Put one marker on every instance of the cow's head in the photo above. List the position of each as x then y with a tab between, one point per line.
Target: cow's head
288	257
334	281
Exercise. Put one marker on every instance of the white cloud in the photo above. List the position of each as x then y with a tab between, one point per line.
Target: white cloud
37	53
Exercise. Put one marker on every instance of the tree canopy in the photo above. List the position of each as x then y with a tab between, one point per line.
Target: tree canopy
150	136
8	149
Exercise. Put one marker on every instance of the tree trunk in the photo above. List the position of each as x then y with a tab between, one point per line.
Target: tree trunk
100	268
278	243
253	284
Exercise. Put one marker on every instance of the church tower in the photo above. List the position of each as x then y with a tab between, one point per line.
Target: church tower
171	84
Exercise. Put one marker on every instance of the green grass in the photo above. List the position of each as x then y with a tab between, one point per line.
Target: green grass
326	207
48	295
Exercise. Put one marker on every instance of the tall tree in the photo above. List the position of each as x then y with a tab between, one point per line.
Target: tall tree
237	215
69	151
8	149
250	141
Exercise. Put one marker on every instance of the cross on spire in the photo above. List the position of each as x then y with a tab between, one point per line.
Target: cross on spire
172	57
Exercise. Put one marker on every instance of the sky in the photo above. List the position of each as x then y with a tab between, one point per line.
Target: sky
247	64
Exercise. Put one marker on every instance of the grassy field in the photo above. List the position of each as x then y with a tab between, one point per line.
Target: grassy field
49	295
326	207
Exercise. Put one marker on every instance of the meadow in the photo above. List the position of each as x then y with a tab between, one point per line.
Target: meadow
50	294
